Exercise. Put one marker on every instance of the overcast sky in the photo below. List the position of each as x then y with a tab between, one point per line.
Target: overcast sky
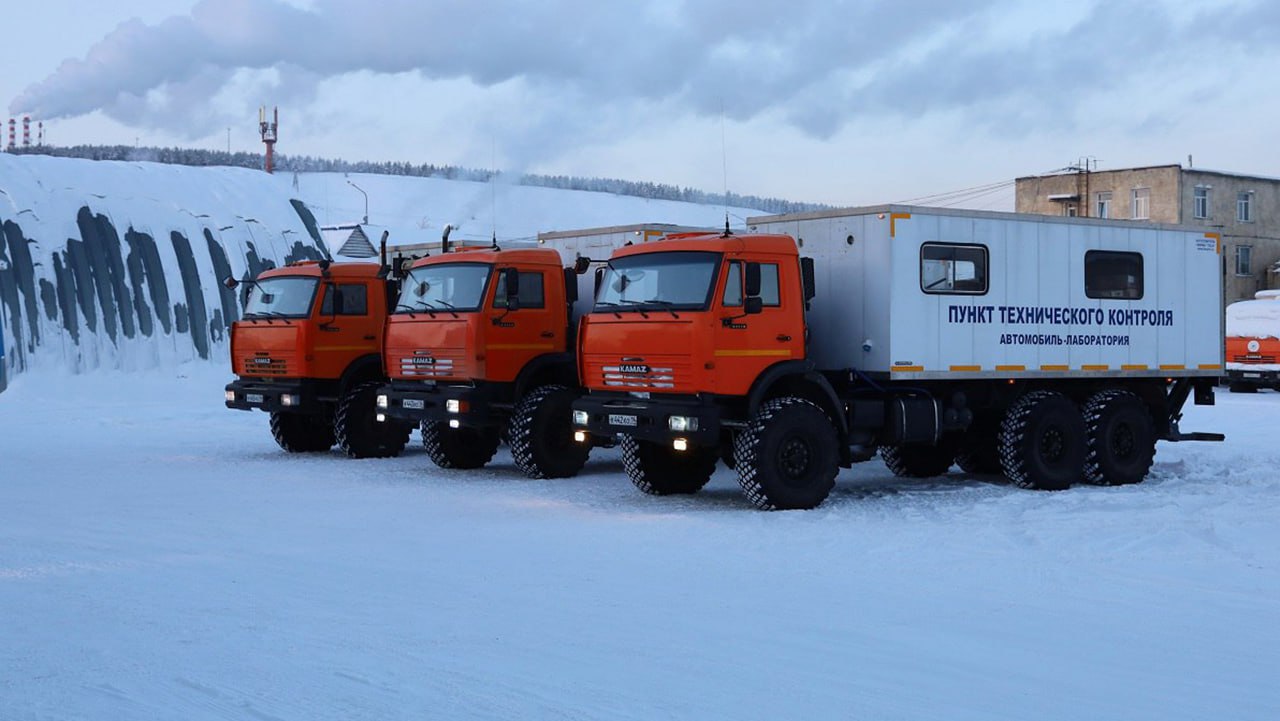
848	103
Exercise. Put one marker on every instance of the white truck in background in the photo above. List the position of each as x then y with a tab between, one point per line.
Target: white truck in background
1253	343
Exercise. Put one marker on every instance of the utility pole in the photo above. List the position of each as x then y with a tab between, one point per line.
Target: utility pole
366	201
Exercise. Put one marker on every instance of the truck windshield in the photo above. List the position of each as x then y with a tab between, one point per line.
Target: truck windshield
677	280
281	297
444	287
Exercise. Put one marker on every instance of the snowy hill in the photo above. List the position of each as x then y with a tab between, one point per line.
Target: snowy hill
117	265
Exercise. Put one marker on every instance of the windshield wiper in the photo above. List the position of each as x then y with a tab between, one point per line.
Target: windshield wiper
634	303
665	305
450	306
605	302
408	309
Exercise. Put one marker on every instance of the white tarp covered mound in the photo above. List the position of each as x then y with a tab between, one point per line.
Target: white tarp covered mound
1259	318
112	264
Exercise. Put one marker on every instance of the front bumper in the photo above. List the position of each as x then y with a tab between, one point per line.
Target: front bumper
648	419
470	405
286	395
1259	377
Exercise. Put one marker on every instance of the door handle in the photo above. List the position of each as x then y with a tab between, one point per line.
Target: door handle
548	334
329	329
783	338
371	337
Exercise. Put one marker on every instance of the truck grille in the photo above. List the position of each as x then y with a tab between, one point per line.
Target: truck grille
627	378
429	365
259	365
1253	358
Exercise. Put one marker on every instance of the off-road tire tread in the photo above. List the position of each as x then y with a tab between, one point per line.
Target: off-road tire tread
917	460
1093	411
377	440
650	469
445	451
523	435
298	433
746	447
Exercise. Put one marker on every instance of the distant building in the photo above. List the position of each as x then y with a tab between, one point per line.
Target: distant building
1245	209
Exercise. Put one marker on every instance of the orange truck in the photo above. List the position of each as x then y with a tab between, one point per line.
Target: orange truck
1052	350
479	347
1253	343
308	352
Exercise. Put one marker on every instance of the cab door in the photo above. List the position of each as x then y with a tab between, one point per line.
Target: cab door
748	343
514	336
345	329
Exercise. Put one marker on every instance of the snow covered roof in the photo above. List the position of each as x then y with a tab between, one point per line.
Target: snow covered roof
1259	318
350	240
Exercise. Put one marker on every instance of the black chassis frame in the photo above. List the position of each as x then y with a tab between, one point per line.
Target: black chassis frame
651	416
489	404
1262	378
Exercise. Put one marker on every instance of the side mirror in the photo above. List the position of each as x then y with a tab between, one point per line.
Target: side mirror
753	305
752	280
580	264
231	282
599	282
571	285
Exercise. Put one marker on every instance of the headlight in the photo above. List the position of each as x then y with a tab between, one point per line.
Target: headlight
381	401
682	424
288	400
453	405
231	396
581	418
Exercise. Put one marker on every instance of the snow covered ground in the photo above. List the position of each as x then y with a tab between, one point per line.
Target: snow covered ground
160	558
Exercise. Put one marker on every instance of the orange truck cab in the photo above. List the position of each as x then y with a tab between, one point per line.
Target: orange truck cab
478	346
1253	343
308	351
689	340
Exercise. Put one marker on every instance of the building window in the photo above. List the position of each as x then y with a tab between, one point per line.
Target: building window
1244	259
1201	206
1104	205
1244	213
1069	210
1141	203
953	269
1113	275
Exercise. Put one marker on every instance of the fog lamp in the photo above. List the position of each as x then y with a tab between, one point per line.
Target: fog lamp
580	436
680	444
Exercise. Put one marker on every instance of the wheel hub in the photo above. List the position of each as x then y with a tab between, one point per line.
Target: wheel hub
1052	444
794	457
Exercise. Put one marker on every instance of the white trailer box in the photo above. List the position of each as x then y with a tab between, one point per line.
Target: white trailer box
913	293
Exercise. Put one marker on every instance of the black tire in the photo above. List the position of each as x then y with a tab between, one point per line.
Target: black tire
301	433
978	450
1121	440
660	470
918	460
541	434
1242	388
463	448
787	456
358	432
1042	442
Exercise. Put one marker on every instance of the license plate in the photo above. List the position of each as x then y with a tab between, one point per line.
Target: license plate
619	420
253	398
414	404
1252	375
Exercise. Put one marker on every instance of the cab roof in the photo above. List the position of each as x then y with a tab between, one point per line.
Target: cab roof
512	256
715	243
311	269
